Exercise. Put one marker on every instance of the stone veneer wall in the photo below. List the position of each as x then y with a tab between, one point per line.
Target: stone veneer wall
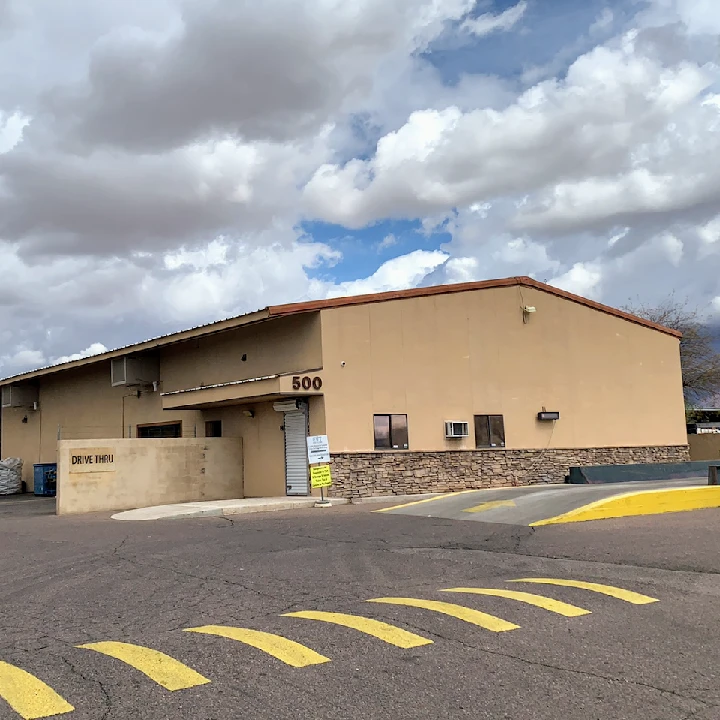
357	475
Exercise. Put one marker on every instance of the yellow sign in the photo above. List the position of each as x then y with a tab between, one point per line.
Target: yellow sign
320	476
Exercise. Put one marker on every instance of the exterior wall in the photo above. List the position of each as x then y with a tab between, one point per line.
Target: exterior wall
290	344
357	475
449	357
263	445
263	442
82	404
705	446
149	472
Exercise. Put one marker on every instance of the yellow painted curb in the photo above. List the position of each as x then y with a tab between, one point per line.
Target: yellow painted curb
642	502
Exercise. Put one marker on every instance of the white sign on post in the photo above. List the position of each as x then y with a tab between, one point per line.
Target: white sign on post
318	449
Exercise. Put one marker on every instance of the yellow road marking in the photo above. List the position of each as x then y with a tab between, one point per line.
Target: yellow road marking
425	500
288	651
29	697
491	505
642	502
161	668
616	592
489	622
381	630
556	606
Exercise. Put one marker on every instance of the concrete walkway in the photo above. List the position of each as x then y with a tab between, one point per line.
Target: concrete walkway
218	508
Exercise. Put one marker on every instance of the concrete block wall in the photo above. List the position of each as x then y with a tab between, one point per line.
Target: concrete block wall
117	474
357	475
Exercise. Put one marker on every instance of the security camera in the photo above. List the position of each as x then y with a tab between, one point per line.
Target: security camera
529	309
342	364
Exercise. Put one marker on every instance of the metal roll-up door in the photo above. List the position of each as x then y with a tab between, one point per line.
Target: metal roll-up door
296	465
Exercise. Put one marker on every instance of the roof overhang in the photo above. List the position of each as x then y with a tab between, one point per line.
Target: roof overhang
243	391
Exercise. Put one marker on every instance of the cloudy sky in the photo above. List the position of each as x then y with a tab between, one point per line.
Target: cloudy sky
169	163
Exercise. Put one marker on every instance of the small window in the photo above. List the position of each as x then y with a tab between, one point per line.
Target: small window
161	430
391	432
489	431
213	428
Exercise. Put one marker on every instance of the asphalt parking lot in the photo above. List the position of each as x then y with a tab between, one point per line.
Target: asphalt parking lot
198	618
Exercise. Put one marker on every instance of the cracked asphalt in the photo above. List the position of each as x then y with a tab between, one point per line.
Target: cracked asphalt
70	581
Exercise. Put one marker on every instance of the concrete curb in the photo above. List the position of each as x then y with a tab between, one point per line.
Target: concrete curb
227	508
277	507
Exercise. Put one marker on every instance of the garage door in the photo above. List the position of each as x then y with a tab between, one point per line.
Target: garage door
296	465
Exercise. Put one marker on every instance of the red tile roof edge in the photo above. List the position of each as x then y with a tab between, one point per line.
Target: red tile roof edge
522	281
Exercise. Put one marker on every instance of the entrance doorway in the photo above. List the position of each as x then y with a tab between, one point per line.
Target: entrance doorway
295	427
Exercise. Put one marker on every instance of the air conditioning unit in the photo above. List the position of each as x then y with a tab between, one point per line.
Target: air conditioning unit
128	371
19	396
455	429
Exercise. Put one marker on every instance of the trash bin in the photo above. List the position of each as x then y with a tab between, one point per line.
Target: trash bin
45	479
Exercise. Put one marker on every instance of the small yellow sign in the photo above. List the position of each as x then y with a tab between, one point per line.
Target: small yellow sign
320	476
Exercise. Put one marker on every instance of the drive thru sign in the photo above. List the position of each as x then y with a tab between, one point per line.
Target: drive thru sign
318	449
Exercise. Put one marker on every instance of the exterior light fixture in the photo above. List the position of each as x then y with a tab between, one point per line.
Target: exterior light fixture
546	415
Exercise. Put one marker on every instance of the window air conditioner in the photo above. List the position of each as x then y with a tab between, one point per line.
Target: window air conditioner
19	396
457	429
129	371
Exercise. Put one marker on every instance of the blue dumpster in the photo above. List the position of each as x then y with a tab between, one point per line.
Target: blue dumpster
45	479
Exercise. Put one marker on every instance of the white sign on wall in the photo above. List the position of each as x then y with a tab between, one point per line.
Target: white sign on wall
318	449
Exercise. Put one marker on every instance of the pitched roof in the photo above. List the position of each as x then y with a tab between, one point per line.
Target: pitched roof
277	311
294	308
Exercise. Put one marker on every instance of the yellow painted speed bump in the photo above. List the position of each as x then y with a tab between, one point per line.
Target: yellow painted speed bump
381	630
556	606
160	668
616	592
287	651
29	697
641	502
489	622
491	505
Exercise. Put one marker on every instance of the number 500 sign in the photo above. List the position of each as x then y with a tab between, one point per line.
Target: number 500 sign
306	382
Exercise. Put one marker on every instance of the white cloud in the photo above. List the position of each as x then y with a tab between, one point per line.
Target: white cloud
176	147
572	136
489	23
387	242
400	272
11	130
582	279
95	349
22	358
603	22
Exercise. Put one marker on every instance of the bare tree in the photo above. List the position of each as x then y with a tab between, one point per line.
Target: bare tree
699	358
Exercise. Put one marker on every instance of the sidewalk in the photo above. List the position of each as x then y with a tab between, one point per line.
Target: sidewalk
221	508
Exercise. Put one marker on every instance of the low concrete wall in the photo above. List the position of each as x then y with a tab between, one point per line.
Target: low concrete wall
114	474
357	475
644	472
705	446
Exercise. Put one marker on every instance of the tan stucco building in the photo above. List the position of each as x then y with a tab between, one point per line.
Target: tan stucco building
382	375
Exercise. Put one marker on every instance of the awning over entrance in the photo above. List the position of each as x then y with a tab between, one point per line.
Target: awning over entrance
306	383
